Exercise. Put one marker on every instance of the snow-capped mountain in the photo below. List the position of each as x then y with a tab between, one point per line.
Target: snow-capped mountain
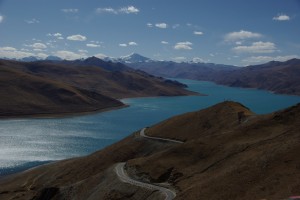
53	58
131	58
134	58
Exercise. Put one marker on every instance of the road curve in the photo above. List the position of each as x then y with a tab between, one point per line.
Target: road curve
142	134
120	171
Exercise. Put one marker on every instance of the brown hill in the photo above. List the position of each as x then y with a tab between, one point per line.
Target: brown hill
224	157
25	94
49	88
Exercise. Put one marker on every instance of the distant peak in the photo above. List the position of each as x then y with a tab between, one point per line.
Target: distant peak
132	55
53	58
134	58
93	58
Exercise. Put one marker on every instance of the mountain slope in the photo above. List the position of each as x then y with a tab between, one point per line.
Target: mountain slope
117	84
278	77
25	94
196	71
46	87
94	61
222	157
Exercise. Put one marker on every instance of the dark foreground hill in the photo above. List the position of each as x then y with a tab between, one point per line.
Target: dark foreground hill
53	88
278	77
228	153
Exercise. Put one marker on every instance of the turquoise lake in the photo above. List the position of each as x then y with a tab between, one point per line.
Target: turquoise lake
25	143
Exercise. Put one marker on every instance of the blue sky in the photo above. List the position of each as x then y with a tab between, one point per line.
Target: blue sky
230	32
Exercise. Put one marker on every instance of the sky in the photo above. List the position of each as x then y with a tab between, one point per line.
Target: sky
234	32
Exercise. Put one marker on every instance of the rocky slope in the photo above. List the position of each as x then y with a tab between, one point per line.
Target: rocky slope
228	153
52	88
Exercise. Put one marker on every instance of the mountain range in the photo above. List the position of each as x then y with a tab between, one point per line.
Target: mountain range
66	87
275	76
222	152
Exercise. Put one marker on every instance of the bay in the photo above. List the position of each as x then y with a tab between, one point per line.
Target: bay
25	143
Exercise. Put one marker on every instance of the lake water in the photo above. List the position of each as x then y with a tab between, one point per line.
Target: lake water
25	143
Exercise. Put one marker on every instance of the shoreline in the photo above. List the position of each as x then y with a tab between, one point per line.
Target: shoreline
67	115
82	113
61	115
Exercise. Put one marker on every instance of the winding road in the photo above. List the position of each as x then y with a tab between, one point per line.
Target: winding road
142	134
123	176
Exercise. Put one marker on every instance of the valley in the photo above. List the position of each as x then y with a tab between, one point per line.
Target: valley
149	100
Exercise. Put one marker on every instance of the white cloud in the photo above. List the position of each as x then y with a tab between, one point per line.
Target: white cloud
59	36
128	44
149	25
83	51
129	10
38	50
13	53
101	56
32	21
263	59
38	45
70	10
179	59
241	35
69	55
183	46
123	10
106	10
8	49
198	33
281	17
123	45
198	60
161	25
1	18
77	38
42	55
93	45
256	47
164	42
132	44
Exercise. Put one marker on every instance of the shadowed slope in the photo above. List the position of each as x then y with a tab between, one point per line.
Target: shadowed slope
26	94
49	88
